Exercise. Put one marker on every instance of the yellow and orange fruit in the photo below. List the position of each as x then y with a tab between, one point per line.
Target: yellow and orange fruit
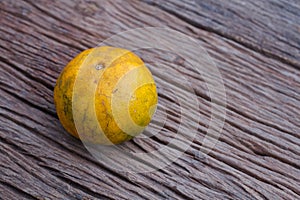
105	95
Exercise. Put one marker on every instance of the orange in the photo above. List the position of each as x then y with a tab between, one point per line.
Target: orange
105	95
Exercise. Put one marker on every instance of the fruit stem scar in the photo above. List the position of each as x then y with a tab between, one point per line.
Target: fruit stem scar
99	66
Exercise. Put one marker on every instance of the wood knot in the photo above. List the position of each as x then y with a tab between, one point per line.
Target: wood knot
88	8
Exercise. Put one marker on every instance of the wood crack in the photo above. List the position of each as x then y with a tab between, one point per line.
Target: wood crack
240	41
17	190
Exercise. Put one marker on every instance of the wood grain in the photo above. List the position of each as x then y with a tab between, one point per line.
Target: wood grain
258	153
270	27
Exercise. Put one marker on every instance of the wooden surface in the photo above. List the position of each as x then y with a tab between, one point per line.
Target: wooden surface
256	47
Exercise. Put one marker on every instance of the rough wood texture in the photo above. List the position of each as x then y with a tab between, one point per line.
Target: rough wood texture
269	27
255	46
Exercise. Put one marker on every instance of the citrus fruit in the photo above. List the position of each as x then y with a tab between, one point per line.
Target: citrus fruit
105	95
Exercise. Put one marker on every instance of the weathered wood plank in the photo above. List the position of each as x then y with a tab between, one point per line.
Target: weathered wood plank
257	156
271	27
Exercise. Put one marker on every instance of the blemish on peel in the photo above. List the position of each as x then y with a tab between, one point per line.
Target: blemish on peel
99	66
